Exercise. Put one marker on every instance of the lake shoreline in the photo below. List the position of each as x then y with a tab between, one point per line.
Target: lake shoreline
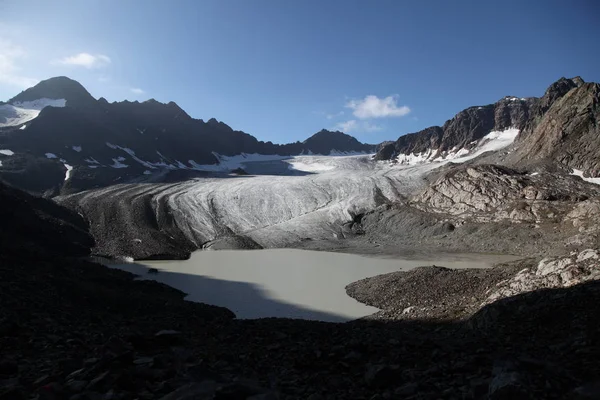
288	283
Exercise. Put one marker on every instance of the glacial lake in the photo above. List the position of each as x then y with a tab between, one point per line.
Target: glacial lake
287	283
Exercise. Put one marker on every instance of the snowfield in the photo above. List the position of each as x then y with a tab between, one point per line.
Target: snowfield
493	141
21	112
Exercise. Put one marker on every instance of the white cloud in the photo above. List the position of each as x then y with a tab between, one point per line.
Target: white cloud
137	91
9	69
374	107
347	126
85	60
357	126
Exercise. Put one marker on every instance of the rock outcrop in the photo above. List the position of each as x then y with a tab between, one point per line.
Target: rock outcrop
550	273
489	193
565	130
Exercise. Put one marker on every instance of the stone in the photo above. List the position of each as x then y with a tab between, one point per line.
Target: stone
240	389
193	391
409	310
589	390
8	367
407	390
76	385
98	380
587	255
381	375
506	383
143	360
264	396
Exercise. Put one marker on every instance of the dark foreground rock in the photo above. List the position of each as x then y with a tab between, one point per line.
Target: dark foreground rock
31	223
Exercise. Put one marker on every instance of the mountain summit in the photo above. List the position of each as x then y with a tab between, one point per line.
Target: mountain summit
59	87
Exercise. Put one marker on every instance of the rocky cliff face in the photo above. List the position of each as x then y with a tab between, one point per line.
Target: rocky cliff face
462	131
564	130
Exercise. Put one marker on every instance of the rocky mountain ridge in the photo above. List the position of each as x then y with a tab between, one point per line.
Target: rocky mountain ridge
103	143
463	130
558	129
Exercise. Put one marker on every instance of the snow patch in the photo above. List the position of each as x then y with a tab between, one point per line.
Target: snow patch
306	164
227	163
21	112
69	171
117	163
7	152
77	148
181	165
579	173
493	141
146	172
23	127
91	160
132	154
51	155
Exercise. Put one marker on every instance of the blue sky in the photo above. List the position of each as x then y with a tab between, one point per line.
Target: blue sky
282	70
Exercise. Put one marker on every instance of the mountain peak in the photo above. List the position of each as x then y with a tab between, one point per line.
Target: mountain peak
325	140
324	132
218	124
59	87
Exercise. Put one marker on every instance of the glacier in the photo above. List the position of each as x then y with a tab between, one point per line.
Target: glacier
274	208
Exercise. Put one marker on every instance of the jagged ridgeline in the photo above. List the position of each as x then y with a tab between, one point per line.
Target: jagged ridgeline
558	128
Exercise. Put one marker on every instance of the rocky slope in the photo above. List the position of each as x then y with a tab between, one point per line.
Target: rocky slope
489	193
567	132
100	143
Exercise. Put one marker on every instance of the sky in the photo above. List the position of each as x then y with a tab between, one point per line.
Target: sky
282	70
